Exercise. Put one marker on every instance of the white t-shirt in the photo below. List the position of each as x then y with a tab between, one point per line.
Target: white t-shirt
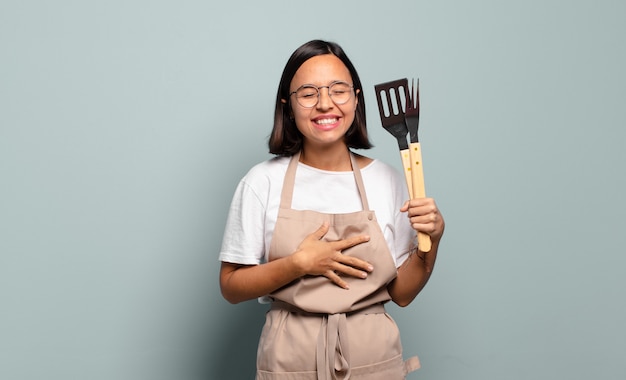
255	204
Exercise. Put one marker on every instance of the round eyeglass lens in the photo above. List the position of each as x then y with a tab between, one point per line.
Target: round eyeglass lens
308	95
340	92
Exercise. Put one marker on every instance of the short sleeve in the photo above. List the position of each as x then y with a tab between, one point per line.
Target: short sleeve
243	241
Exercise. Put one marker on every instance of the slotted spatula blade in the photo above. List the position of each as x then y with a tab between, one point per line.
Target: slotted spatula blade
390	97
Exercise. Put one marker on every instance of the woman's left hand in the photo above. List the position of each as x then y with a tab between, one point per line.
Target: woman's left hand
425	216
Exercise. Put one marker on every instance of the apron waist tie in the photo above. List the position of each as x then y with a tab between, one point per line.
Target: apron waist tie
332	350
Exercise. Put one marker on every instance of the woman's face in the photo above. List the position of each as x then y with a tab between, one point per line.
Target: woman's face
327	122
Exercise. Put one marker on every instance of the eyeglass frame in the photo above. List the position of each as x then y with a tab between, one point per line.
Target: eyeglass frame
319	93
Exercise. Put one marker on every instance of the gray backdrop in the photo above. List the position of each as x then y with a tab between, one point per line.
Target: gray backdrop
125	126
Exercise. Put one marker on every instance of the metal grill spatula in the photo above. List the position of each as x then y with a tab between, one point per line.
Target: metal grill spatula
391	112
393	98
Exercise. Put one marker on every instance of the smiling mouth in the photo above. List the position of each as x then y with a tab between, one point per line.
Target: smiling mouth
326	121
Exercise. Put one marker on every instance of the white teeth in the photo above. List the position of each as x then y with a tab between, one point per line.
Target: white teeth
326	121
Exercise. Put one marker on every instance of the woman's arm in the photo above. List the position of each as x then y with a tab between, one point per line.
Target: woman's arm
414	273
243	282
313	257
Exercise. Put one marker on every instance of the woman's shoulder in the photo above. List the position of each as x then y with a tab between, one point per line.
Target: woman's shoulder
375	165
269	169
380	173
362	161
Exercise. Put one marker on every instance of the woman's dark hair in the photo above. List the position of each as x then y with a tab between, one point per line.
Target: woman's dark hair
285	139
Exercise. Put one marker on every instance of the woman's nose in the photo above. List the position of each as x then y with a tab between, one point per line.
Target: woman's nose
325	102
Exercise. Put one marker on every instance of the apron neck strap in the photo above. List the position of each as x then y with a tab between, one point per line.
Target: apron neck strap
290	178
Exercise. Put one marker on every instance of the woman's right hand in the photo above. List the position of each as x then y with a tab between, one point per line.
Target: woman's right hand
323	258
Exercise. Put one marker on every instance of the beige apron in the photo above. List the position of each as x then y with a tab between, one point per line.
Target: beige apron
315	329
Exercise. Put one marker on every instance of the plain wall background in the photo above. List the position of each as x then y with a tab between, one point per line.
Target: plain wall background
125	126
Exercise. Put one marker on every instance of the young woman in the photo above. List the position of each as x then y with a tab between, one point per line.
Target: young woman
326	235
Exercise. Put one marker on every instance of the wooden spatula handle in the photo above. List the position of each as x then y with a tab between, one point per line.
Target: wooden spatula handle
405	155
419	190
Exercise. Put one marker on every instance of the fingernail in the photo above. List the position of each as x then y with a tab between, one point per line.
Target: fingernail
363	274
370	267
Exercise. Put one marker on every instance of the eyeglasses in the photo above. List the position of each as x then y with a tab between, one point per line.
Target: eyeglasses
308	95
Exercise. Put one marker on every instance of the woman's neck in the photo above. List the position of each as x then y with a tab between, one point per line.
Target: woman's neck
332	159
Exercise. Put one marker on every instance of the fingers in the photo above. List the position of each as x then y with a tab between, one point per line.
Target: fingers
348	268
340	245
424	216
427	223
405	206
332	276
317	256
416	202
349	265
420	204
320	232
316	235
352	266
354	262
